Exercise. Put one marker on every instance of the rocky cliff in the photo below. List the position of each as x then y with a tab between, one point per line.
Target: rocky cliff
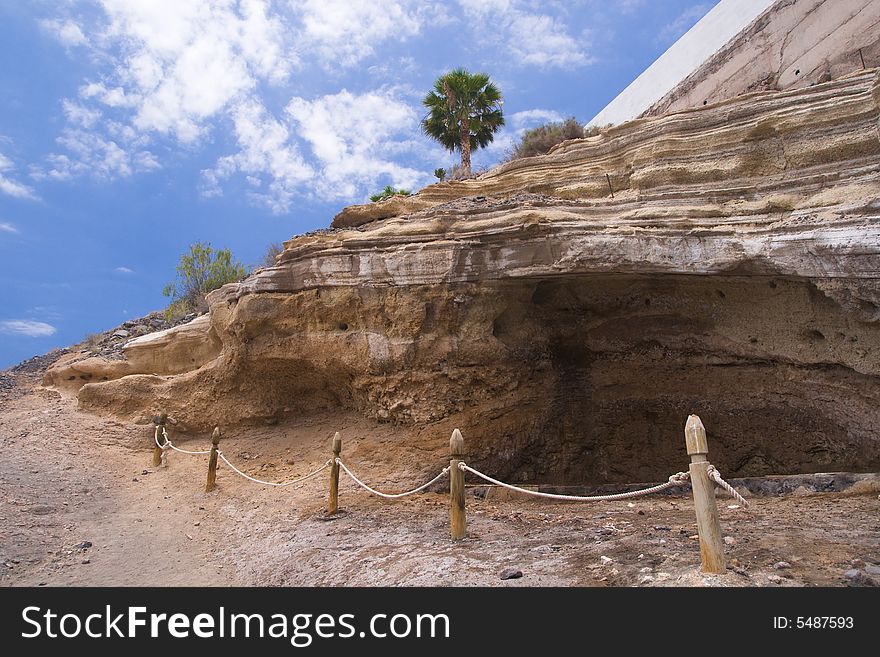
568	331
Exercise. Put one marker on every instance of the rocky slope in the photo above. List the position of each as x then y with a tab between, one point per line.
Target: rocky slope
733	273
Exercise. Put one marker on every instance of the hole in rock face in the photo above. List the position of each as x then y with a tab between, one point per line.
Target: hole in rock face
343	326
607	369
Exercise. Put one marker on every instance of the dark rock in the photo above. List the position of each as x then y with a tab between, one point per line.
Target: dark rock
872	569
855	577
41	510
511	573
662	528
85	545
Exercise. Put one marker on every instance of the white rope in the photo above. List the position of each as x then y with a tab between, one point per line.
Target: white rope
677	479
716	477
272	483
443	472
168	444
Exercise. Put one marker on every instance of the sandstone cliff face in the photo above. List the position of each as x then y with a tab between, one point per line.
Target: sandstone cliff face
733	274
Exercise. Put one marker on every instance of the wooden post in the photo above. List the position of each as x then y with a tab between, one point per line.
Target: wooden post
711	545
157	451
212	460
457	519
333	501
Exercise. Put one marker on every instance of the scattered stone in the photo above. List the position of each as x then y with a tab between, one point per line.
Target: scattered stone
135	479
605	560
41	510
774	579
640	512
646	569
145	472
85	545
857	577
289	461
857	563
662	528
646	579
86	561
121	333
196	523
733	506
511	573
872	569
781	565
729	540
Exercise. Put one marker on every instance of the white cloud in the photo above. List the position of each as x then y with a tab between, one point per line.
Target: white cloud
172	73
10	186
26	327
348	134
98	156
6	227
266	150
67	32
682	23
123	270
531	38
533	117
345	32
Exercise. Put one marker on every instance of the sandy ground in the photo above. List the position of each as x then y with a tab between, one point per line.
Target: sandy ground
67	478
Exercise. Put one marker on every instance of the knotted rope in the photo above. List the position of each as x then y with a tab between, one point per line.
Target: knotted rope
164	446
390	496
715	476
272	483
678	479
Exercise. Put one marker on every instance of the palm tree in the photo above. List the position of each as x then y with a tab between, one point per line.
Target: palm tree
464	113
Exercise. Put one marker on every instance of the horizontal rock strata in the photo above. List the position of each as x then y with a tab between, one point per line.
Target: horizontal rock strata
734	274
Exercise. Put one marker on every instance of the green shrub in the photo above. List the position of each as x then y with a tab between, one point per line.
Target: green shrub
540	140
440	174
388	192
199	271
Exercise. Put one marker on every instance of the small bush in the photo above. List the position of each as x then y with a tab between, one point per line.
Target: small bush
440	174
540	140
274	249
388	192
199	271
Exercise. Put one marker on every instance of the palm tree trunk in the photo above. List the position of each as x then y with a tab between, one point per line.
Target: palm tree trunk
465	147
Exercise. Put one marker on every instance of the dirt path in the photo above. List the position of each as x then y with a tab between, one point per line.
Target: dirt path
67	478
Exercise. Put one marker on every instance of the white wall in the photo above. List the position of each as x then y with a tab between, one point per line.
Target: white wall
727	19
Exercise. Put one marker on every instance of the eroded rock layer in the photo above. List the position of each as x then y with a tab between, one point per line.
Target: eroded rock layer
733	274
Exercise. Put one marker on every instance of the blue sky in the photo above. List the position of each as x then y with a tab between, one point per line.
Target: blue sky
132	128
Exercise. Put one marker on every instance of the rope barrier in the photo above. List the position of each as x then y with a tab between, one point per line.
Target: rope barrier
715	476
677	479
168	444
272	483
342	465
